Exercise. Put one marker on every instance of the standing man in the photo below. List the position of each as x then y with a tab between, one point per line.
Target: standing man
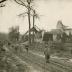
47	51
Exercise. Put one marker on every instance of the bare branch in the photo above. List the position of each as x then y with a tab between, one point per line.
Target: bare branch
37	16
22	14
2	1
2	5
22	3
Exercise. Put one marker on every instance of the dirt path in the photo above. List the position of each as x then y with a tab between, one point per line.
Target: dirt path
36	62
39	58
30	67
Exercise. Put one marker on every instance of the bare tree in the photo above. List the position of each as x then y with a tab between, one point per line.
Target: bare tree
28	6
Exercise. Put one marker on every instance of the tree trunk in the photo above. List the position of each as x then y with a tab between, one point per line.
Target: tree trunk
33	27
29	24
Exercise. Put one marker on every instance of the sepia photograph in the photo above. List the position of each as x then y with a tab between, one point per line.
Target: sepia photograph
35	35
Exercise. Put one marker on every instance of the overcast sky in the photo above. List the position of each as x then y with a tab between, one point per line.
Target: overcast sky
50	11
